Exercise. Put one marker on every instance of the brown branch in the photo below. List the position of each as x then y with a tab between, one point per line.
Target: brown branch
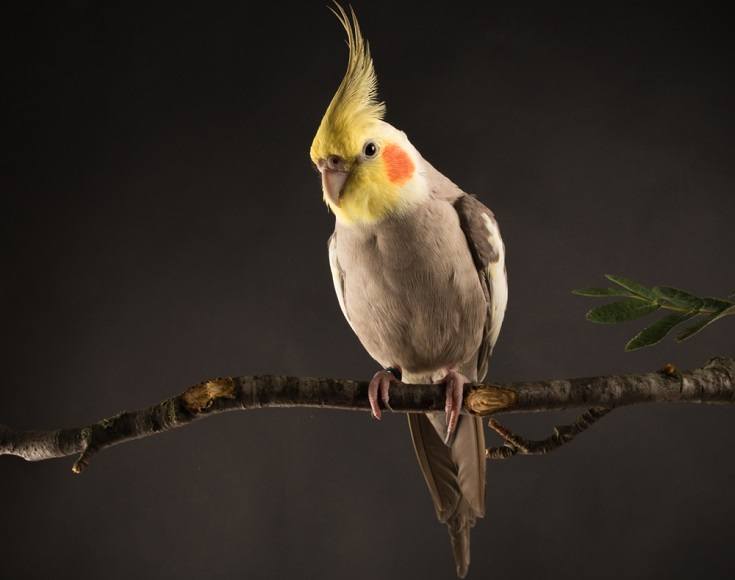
713	383
562	434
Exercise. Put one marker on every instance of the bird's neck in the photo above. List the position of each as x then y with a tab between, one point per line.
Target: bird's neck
371	203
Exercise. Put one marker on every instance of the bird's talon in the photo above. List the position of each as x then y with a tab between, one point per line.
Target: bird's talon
455	383
379	389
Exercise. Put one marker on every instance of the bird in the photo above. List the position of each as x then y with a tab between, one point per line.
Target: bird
418	267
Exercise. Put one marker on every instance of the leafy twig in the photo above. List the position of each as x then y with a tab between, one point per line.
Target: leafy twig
639	300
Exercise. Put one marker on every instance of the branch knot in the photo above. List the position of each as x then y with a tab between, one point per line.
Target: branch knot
201	397
488	399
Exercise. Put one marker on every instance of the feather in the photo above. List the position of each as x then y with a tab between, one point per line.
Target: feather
455	476
338	276
488	252
354	105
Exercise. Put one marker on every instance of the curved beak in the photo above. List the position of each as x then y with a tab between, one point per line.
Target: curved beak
332	183
334	175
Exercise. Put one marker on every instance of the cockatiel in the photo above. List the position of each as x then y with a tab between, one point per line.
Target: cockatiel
419	271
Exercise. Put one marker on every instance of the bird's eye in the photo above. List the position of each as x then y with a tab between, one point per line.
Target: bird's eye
370	150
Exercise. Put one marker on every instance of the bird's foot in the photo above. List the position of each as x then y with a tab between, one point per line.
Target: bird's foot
455	382
379	389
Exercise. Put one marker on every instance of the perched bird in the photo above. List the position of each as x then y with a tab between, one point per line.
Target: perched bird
419	270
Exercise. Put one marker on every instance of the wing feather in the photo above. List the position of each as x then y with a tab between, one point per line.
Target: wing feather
338	276
488	252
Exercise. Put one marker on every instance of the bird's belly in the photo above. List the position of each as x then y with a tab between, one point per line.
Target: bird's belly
421	335
421	311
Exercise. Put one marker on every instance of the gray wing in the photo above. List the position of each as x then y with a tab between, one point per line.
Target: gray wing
488	252
338	276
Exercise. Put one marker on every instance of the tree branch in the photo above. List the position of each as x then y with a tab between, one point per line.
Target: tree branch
563	434
713	383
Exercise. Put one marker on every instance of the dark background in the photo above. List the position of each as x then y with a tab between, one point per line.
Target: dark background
161	224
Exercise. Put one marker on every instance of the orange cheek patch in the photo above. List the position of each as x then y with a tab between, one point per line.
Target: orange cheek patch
398	164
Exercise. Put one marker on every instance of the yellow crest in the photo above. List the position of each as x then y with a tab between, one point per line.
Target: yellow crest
355	105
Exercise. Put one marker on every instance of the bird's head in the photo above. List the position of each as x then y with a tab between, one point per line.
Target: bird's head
369	169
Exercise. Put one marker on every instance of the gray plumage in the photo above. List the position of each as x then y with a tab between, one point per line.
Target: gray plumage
425	290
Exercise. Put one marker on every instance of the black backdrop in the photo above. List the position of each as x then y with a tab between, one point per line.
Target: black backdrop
161	224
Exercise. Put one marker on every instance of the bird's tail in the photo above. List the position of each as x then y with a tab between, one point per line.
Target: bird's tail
459	526
454	474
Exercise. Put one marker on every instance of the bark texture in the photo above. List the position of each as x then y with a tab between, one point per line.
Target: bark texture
712	383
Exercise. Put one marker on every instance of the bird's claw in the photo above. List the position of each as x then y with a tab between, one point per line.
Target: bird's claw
379	390
455	383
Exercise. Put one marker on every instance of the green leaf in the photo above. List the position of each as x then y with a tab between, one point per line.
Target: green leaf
634	287
715	304
621	311
657	331
598	292
678	298
704	322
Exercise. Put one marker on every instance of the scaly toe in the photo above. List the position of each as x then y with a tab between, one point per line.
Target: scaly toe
455	382
379	390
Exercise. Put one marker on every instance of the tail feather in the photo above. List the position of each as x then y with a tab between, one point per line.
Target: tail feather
455	476
459	526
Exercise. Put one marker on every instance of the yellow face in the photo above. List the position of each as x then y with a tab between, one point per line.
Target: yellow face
368	167
363	185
